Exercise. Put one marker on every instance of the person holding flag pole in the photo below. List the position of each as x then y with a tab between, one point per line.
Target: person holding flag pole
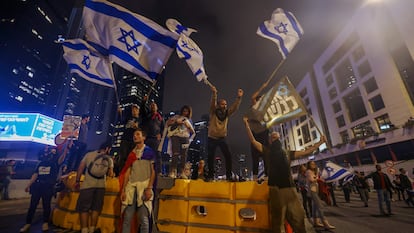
284	202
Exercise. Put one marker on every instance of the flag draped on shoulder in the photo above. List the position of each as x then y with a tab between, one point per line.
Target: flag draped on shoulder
84	61
134	42
280	104
333	172
187	49
283	29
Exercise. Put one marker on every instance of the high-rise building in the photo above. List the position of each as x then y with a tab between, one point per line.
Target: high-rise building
29	53
361	90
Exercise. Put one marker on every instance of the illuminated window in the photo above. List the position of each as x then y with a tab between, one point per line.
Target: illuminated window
384	122
345	76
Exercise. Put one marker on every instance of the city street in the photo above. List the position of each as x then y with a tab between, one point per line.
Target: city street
347	217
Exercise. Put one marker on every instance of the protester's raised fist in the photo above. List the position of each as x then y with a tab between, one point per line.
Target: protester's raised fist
239	92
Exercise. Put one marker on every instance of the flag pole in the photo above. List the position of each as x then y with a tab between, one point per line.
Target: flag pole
272	75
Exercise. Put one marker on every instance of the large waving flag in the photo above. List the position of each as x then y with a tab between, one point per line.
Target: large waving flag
187	49
333	172
132	41
283	29
280	104
85	62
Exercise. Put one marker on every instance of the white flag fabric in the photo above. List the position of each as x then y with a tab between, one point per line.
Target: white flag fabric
187	49
134	42
333	172
85	62
283	29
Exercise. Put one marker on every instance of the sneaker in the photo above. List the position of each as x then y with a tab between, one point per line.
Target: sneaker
45	226
25	228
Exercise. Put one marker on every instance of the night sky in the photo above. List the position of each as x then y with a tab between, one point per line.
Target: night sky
234	56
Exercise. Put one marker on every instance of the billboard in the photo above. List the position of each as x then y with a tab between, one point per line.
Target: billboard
32	127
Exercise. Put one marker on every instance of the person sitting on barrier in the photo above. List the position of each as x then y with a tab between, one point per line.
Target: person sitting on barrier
283	198
41	186
98	164
136	180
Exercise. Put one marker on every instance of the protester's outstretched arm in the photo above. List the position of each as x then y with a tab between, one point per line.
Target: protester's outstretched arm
213	98
255	143
300	154
256	94
236	103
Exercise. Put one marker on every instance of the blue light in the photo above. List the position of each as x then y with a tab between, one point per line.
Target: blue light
32	127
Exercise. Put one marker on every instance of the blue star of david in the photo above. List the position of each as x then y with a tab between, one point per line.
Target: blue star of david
185	45
86	61
283	90
329	170
128	46
281	28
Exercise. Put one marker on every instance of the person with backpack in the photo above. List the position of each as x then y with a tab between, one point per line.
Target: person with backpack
98	165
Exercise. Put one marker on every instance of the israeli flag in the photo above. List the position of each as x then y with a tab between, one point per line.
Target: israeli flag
178	28
187	49
333	172
86	62
283	29
134	42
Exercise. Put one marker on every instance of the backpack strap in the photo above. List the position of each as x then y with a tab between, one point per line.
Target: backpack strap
91	164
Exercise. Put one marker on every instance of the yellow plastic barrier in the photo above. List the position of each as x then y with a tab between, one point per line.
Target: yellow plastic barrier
214	207
65	215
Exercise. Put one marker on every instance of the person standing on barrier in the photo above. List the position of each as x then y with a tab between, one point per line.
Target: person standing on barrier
284	201
217	131
97	164
181	134
131	123
137	180
41	186
153	126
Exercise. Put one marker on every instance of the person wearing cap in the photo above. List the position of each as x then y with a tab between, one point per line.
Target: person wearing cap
131	123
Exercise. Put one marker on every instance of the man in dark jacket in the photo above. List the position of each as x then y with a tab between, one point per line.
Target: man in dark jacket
406	186
382	185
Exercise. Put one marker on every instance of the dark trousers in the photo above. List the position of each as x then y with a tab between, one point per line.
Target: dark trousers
261	137
153	142
44	191
222	144
306	202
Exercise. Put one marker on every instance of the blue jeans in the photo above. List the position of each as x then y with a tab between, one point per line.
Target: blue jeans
383	195
143	217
